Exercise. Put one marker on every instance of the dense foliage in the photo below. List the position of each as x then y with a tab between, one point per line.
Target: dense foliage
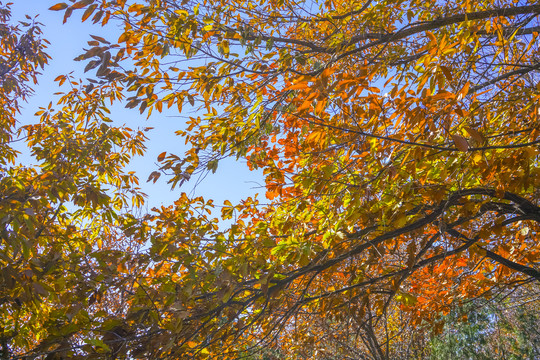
503	328
399	143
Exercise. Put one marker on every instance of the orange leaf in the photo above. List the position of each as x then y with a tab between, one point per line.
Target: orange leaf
316	138
461	262
465	90
320	106
305	105
59	6
161	156
299	85
123	37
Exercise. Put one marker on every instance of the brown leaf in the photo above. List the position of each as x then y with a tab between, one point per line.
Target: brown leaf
143	106
154	176
475	134
161	156
91	65
81	4
132	104
95	51
67	14
40	289
97	17
460	142
88	12
100	39
447	73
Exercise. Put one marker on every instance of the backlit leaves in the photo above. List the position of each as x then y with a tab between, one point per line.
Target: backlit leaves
398	144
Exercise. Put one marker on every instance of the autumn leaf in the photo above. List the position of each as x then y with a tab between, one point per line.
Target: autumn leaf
81	4
447	73
460	142
88	12
406	299
475	134
154	176
59	6
100	39
370	222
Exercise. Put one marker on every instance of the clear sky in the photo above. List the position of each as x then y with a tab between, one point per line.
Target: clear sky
232	181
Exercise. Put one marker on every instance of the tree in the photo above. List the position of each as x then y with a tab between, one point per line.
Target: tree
61	220
399	142
503	329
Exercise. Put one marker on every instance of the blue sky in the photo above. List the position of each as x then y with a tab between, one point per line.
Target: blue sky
232	181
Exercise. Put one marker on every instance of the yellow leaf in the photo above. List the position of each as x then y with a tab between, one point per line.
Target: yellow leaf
406	299
225	46
477	158
401	220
